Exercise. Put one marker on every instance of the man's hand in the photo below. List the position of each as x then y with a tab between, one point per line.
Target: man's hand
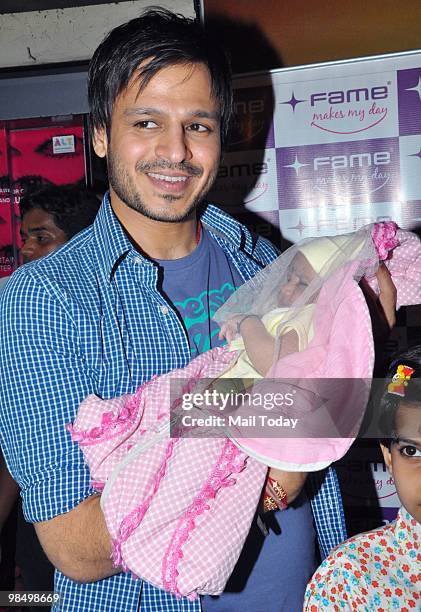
292	482
78	543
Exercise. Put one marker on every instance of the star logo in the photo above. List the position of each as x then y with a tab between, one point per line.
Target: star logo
300	227
416	88
296	165
416	154
293	101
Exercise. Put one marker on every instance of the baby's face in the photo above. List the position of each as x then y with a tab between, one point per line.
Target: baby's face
404	458
300	276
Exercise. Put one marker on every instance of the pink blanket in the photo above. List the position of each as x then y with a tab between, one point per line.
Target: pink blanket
180	534
179	509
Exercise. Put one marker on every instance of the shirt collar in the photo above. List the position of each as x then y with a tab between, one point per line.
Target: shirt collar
113	242
111	237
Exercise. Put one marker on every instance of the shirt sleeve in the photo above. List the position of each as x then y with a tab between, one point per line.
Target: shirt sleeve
326	503
44	379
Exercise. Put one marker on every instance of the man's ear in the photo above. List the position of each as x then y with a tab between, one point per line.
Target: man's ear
387	456
100	142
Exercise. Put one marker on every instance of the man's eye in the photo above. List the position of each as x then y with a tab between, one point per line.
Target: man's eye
145	125
198	127
410	451
42	239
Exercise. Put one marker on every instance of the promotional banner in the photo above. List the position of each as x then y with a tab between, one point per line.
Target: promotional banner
322	150
325	149
33	156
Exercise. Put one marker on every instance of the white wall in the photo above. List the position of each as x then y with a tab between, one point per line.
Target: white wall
64	35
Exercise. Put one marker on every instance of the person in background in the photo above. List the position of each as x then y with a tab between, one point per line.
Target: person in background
50	217
380	570
53	215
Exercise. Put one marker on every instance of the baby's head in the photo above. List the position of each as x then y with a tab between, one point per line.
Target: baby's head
311	259
401	418
300	275
318	257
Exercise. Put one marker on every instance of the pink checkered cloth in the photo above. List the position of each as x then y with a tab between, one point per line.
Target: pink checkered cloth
179	509
180	534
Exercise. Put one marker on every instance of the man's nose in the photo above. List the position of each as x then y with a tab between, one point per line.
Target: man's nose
27	251
173	145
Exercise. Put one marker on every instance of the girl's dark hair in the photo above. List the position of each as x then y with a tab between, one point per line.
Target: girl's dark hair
158	38
389	403
72	207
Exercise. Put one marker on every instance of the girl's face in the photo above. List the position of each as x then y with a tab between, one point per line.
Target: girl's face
300	276
404	458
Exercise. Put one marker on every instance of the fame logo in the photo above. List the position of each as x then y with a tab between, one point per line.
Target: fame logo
252	126
350	95
357	160
345	111
238	170
243	179
339	172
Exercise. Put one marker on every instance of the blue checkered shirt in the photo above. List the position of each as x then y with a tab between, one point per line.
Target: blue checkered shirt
89	319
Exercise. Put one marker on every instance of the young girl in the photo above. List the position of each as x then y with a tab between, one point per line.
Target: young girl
179	509
380	570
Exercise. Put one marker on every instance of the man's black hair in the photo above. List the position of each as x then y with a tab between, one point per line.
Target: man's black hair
72	207
390	402
157	39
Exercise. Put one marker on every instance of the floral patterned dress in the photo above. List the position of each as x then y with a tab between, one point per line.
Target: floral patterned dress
374	571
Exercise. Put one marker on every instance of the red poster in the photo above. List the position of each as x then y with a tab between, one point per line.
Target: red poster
33	154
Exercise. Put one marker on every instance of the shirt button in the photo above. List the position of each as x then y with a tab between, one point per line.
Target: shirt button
164	309
137	260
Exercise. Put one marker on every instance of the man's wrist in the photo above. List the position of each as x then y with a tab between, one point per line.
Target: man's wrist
276	497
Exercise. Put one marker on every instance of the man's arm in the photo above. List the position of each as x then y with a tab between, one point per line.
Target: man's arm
44	379
78	543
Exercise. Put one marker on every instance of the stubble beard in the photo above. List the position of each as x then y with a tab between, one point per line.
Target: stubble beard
124	187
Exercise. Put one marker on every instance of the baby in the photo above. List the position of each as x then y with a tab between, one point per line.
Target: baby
380	570
306	336
258	334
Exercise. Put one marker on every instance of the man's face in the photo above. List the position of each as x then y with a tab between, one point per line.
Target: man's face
164	147
404	458
40	235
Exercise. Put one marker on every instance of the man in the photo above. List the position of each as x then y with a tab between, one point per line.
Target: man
50	216
133	297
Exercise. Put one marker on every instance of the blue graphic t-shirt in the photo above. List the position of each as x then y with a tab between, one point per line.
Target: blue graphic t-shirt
197	285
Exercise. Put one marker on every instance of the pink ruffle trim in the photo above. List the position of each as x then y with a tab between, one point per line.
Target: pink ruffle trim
133	519
384	238
231	460
111	424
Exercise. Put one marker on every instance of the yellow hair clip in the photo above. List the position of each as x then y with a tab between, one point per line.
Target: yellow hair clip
400	380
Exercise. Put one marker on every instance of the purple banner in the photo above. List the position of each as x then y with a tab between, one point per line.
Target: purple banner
409	100
331	174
